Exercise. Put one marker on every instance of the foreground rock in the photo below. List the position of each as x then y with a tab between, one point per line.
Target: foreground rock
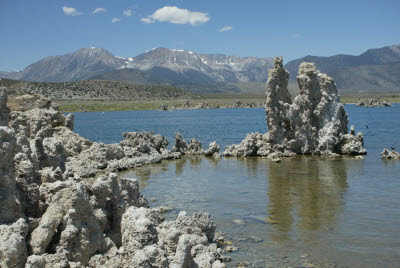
391	155
51	215
373	102
314	123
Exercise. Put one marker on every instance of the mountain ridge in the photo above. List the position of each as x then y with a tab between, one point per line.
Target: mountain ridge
367	72
375	70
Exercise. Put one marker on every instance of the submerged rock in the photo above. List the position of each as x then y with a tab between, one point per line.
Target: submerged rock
386	154
314	123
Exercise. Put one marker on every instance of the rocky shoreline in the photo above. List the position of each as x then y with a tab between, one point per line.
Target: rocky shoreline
373	102
205	105
64	205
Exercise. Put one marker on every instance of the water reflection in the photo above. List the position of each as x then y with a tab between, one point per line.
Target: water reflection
194	160
179	165
146	172
306	192
213	161
301	205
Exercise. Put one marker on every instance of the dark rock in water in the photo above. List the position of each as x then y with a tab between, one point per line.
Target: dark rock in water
163	107
314	123
386	154
255	239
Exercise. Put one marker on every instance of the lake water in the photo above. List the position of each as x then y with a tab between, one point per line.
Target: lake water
305	210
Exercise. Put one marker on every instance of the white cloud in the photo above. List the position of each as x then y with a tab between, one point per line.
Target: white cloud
226	28
127	13
147	20
115	20
98	10
70	11
177	15
296	35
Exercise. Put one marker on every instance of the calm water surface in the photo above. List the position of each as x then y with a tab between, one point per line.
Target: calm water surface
305	210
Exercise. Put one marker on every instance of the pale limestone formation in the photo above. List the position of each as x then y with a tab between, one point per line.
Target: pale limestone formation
194	147
51	216
180	144
314	123
13	250
213	148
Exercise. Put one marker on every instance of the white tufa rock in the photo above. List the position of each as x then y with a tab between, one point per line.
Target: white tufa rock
52	216
314	123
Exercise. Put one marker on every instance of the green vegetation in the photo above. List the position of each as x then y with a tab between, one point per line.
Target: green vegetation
100	95
96	90
221	100
215	99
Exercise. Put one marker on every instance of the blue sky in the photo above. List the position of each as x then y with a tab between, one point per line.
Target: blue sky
34	29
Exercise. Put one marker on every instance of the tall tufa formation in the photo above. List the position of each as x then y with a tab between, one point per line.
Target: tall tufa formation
314	123
278	102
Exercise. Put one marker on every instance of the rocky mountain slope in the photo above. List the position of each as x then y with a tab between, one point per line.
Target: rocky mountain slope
81	64
190	80
376	70
217	67
96	89
176	65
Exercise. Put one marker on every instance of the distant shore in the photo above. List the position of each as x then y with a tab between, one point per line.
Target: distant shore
215	100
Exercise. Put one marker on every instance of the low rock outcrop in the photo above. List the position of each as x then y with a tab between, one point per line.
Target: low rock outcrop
205	105
315	122
392	155
373	102
194	147
52	215
212	149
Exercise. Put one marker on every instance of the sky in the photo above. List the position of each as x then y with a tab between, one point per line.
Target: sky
34	29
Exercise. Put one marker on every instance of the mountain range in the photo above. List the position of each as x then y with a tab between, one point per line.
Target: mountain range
376	70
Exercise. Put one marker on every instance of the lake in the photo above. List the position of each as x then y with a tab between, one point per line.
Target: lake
338	212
